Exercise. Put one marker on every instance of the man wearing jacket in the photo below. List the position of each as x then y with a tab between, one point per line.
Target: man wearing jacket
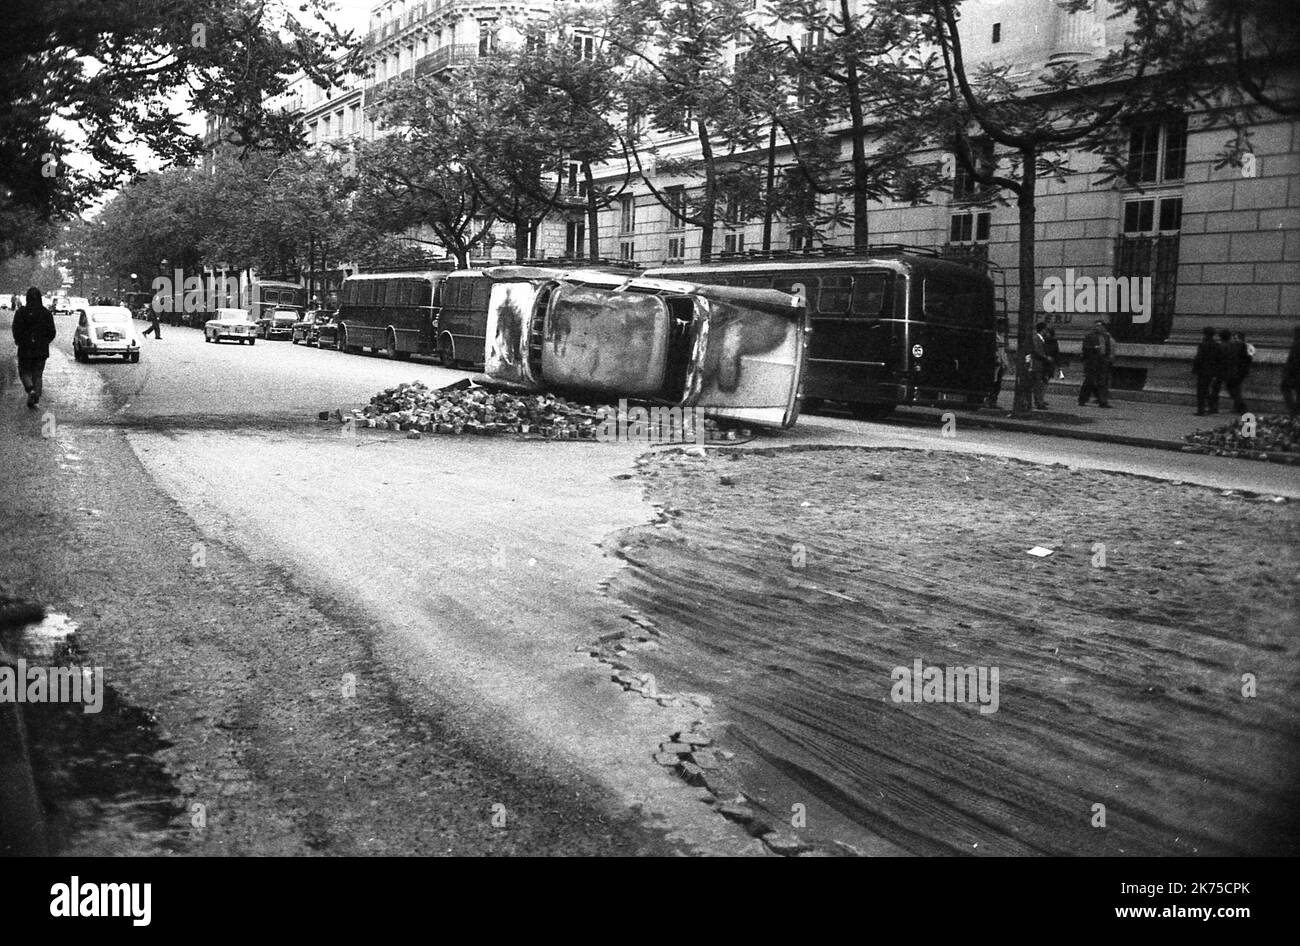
1206	365
1040	367
33	329
1098	356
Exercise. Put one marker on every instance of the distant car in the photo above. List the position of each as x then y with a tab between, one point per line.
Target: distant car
230	323
77	305
306	329
279	324
327	331
106	330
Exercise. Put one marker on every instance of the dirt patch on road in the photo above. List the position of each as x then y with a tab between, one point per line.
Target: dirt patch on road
789	586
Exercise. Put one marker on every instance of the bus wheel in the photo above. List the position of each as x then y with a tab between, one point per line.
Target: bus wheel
871	411
341	340
447	351
390	351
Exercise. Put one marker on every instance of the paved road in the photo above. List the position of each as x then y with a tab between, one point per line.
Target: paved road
454	581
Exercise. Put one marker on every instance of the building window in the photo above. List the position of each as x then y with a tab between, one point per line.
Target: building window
575	239
626	215
573	182
969	228
1163	215
812	39
676	248
997	32
626	250
733	243
535	41
487	37
584	47
676	207
1157	151
964	184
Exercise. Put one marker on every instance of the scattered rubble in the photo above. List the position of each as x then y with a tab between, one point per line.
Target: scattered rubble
1276	438
470	408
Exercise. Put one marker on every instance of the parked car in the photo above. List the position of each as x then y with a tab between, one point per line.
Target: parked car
77	305
327	332
230	323
307	330
106	330
279	324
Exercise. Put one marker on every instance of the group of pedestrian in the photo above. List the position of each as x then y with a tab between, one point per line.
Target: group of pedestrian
1222	359
33	329
1046	362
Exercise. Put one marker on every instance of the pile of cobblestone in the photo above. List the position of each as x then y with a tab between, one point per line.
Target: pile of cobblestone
467	408
1273	437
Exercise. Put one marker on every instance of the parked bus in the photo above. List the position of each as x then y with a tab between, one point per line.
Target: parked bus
392	313
898	326
267	295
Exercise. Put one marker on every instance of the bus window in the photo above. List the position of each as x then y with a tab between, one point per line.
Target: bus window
422	294
439	286
959	303
756	282
871	296
836	296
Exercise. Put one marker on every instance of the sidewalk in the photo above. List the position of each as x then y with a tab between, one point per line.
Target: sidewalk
1132	423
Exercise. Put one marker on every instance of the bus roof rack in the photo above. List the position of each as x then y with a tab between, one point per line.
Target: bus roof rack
569	262
828	251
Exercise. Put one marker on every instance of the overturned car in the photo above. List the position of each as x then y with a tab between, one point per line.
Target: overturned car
735	353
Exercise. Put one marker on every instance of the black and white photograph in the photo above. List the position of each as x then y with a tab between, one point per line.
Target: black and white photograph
651	429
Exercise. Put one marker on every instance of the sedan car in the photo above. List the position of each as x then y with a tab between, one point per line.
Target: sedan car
106	330
279	324
230	323
327	331
307	330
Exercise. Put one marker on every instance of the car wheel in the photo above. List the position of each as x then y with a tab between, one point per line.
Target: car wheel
135	358
252	341
341	341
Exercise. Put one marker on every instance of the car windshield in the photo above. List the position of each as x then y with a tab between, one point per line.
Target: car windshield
112	318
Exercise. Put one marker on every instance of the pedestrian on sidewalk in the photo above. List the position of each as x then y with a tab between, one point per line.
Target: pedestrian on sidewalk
1235	364
1291	374
1040	367
33	329
1053	348
1001	365
1205	365
153	325
1098	356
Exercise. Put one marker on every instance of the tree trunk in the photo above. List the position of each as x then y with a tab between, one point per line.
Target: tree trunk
1024	401
522	232
709	212
861	175
593	213
771	187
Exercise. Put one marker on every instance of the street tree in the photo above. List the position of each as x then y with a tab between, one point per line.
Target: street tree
91	86
683	82
857	70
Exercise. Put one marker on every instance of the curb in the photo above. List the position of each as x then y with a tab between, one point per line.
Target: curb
1127	440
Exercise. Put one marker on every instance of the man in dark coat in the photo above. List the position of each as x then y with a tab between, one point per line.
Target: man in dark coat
1235	366
1098	356
1040	367
33	331
1204	365
153	325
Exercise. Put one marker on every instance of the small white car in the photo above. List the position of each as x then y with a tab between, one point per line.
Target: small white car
77	305
106	331
231	323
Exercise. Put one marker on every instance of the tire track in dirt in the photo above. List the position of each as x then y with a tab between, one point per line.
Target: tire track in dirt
1119	685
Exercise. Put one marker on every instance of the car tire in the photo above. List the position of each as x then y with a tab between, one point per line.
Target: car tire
342	340
134	358
252	341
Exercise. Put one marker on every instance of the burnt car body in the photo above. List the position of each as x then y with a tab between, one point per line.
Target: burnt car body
737	353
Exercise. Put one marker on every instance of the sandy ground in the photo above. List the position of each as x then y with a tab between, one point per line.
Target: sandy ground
1120	685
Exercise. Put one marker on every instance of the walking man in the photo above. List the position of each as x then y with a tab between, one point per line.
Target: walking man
1204	365
1040	367
153	325
1098	356
1235	366
33	329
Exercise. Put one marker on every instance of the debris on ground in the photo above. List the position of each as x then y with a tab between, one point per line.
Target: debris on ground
1272	437
469	408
